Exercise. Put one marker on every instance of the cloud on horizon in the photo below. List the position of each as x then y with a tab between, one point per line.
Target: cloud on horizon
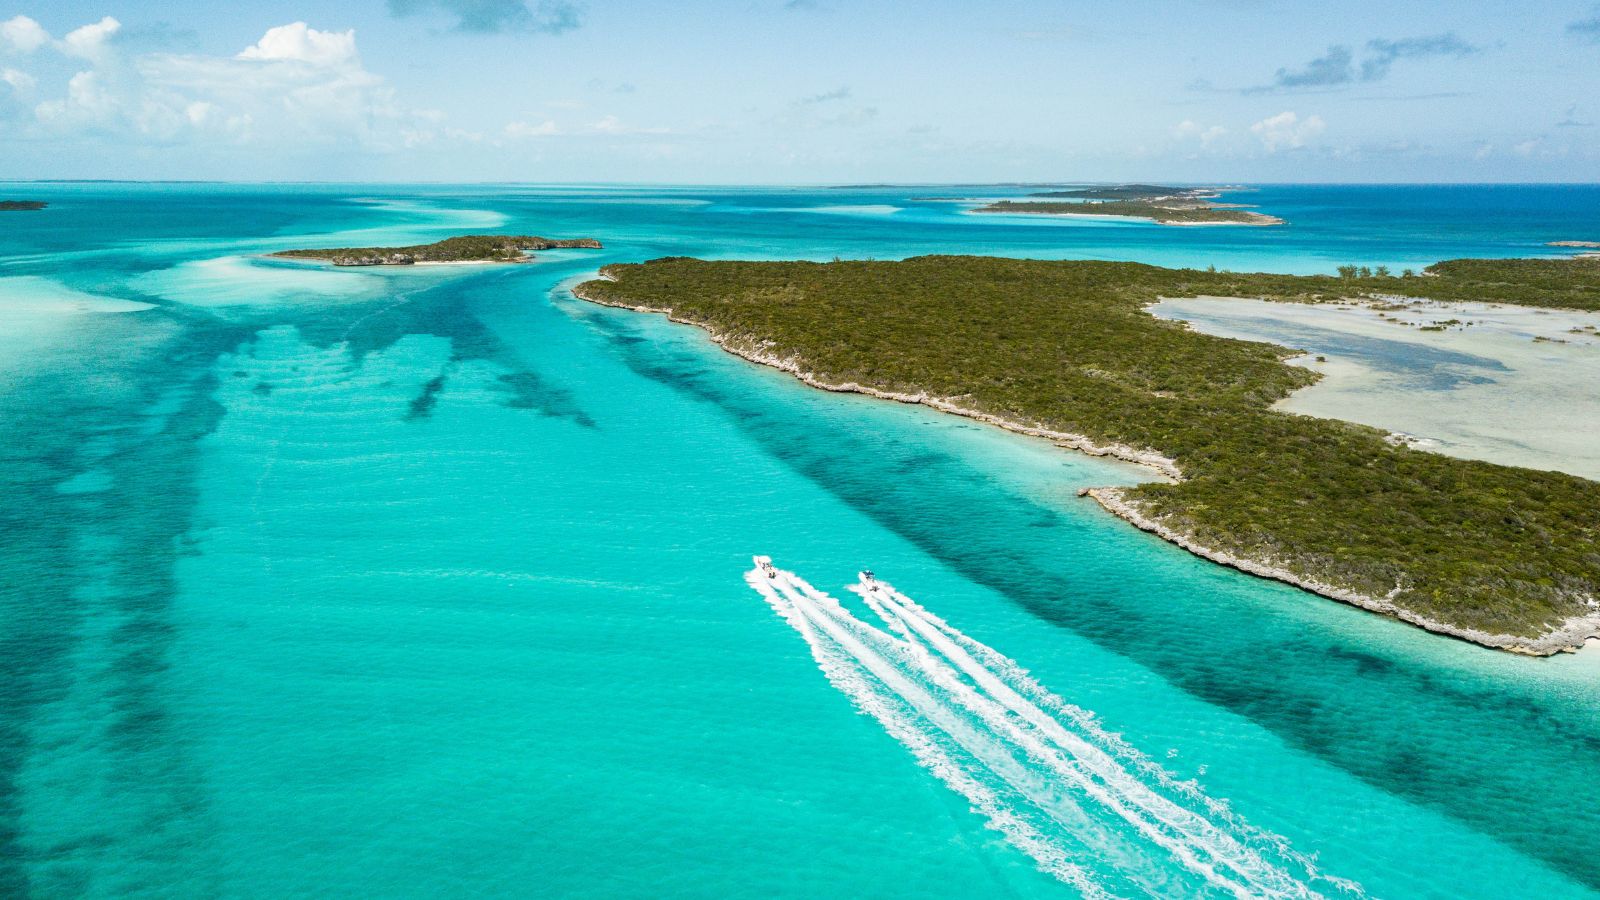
1190	130
1287	131
1587	29
498	16
835	108
296	86
1334	67
1382	54
1571	120
1337	66
605	126
839	93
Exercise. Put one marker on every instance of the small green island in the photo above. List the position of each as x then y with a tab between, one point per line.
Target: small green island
1502	556
502	248
1177	210
21	205
1157	203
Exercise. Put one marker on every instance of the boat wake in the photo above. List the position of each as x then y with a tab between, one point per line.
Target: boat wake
1085	805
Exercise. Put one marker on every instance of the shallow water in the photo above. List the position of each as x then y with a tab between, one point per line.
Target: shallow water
429	582
1512	385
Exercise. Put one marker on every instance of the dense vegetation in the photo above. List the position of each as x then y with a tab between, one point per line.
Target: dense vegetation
1067	346
1175	212
1559	282
466	248
18	205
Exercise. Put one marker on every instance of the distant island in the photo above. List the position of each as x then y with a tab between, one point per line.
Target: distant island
19	205
1151	192
1164	206
1197	213
461	249
1498	555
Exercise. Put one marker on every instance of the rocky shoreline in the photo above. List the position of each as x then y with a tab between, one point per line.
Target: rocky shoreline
1569	637
1149	458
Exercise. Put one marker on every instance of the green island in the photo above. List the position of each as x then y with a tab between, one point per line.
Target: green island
20	205
463	248
1503	556
1177	211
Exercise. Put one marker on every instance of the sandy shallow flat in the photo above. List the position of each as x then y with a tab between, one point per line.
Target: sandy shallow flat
1509	384
37	312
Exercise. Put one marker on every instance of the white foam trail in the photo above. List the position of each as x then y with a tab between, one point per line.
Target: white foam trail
845	674
987	754
1018	678
992	724
1191	839
1041	770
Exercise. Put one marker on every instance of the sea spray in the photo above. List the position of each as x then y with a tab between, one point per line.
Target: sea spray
1085	805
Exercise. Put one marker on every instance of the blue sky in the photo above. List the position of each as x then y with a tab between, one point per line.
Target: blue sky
801	91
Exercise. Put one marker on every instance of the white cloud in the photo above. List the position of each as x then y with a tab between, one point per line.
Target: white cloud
546	128
417	137
90	41
23	34
87	100
1189	129
615	126
1287	131
606	126
18	80
302	43
286	97
295	87
199	112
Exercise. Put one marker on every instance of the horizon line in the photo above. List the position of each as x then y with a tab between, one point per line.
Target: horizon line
806	184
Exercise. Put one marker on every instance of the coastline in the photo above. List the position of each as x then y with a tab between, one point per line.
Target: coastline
462	248
1150	459
1571	636
330	264
469	262
1262	221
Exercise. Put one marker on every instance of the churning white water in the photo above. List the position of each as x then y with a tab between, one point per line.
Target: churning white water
1085	805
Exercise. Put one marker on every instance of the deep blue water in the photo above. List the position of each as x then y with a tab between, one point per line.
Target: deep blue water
428	582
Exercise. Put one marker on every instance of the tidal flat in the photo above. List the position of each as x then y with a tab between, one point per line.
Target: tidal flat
1507	384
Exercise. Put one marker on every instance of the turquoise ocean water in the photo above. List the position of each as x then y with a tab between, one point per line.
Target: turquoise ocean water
429	582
